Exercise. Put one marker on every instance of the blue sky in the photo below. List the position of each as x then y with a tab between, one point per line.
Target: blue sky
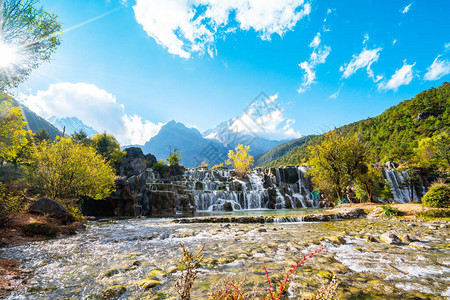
128	68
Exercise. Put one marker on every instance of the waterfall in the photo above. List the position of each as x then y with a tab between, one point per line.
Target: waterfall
402	188
216	190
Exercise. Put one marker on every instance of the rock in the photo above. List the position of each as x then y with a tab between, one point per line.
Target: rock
228	206
371	239
405	238
114	291
443	226
434	227
148	283
109	273
172	269
47	206
419	246
337	240
262	230
390	238
375	214
391	165
133	162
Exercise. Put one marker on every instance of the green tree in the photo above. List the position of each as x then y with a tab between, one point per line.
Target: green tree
386	192
241	160
434	152
174	157
29	36
65	170
41	135
336	162
368	183
13	135
107	146
81	137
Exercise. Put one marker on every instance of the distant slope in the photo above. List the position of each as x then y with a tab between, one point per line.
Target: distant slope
393	135
194	147
36	122
280	150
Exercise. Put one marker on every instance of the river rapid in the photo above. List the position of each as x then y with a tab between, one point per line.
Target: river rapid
122	252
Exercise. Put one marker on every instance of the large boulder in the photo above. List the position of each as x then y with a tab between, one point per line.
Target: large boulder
47	206
133	162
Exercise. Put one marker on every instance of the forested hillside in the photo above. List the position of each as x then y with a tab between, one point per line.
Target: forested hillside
391	136
280	150
34	121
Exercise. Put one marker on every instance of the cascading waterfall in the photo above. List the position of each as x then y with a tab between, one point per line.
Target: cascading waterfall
218	190
401	186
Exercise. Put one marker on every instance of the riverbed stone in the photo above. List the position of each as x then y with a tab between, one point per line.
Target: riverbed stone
419	246
390	238
114	291
172	269
371	239
337	240
405	238
109	273
148	283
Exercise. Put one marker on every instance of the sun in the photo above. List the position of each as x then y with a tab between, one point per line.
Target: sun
8	55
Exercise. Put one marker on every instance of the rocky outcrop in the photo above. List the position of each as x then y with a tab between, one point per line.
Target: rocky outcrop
46	206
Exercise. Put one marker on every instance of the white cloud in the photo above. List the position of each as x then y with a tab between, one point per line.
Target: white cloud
95	107
447	46
316	41
366	38
265	119
192	26
402	76
317	57
335	95
394	42
406	9
438	69
363	60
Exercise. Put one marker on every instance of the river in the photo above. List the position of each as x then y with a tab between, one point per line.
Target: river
123	251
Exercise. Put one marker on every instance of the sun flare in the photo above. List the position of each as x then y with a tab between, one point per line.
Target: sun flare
8	55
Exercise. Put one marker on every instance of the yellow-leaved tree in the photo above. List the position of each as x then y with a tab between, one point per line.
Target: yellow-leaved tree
13	135
66	170
241	160
336	162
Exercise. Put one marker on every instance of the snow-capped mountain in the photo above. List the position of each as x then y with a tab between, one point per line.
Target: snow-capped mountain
71	125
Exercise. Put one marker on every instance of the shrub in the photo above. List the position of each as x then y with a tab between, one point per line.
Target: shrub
11	201
437	196
389	211
161	168
435	213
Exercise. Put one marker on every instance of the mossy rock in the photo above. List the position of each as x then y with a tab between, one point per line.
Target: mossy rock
109	273
41	228
156	274
337	240
326	274
148	283
114	291
171	269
